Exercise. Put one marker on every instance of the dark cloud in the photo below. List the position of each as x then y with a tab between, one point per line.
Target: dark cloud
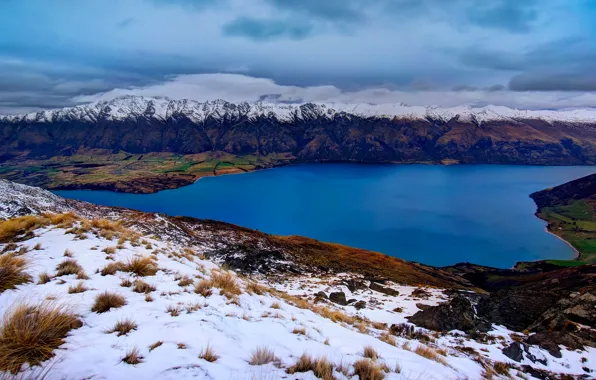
335	10
584	80
260	29
517	16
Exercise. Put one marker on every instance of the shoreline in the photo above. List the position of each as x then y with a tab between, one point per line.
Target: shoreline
577	254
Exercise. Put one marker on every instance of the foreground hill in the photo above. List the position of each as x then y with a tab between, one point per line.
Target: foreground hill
137	144
117	294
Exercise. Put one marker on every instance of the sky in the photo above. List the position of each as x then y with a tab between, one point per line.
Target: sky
527	54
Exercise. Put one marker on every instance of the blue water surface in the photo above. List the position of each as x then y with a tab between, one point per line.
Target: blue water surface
437	215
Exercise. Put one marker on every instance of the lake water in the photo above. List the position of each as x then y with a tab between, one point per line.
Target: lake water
437	215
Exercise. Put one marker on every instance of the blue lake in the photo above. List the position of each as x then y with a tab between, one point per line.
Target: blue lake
437	215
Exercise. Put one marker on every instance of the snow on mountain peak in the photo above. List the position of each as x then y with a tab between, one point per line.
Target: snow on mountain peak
133	106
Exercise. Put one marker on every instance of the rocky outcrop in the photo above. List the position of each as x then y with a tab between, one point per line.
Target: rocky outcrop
457	314
338	298
382	289
582	188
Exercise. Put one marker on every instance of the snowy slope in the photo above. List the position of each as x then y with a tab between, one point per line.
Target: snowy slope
162	108
283	317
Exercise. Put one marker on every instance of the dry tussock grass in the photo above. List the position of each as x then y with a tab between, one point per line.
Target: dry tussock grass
185	281
208	354
133	356
174	310
112	268
155	345
123	327
370	353
106	301
12	272
141	286
78	288
321	367
71	266
256	288
388	338
429	353
109	250
367	370
204	288
226	282
141	266
29	334
299	331
23	226
44	278
262	355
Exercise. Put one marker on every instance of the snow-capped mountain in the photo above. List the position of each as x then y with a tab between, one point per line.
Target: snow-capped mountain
162	108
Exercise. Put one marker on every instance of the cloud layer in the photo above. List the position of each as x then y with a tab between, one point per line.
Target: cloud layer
54	53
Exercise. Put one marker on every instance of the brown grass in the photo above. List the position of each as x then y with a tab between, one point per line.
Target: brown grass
141	286
299	331
321	367
12	272
501	368
70	266
256	288
78	288
133	356
67	253
29	334
429	353
155	345
141	266
109	250
123	327
275	305
208	354
262	355
126	283
148	297
44	278
174	310
37	247
112	268
367	370
370	352
106	301
388	338
204	288
12	229
226	282
185	281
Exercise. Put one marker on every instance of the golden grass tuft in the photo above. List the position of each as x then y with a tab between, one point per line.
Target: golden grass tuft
44	278
67	253
12	229
37	247
12	272
123	327
29	334
106	301
185	281
126	283
111	268
109	250
299	331
155	345
141	286
321	367
226	282
256	288
208	354
70	266
501	368
148	297
275	305
133	356
429	353
368	370
388	338
370	353
174	310
204	288
78	288
262	355
141	266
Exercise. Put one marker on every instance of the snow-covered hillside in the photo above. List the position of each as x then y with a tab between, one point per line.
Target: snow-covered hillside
184	316
162	108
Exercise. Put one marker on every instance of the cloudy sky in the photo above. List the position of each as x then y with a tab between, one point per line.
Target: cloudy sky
519	53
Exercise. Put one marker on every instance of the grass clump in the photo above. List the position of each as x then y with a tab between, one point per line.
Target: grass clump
388	338
123	327
429	353
141	286
141	266
174	310
78	288
299	331
133	356
204	288
29	334
226	282
106	301
44	278
368	370
111	268
321	367
109	250
12	272
371	353
208	354
185	281
70	266
256	288
155	345
501	368
13	229
262	355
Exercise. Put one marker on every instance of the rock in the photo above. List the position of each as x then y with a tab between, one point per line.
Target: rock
420	293
422	306
321	294
352	300
338	298
353	285
360	305
514	352
546	341
457	314
381	289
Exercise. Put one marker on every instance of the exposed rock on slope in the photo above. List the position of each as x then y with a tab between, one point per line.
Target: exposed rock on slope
582	188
